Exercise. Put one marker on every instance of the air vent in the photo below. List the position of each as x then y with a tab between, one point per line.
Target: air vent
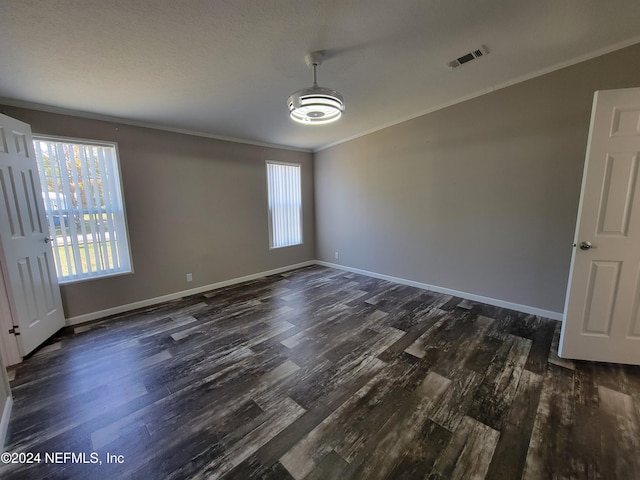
480	52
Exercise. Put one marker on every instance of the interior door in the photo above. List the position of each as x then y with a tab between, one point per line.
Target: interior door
28	267
602	315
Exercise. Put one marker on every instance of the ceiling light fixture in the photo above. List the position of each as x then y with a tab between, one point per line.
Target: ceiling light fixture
315	105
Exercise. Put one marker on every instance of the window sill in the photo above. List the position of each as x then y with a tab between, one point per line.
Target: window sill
72	281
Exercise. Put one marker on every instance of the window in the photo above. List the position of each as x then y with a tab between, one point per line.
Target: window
285	204
82	194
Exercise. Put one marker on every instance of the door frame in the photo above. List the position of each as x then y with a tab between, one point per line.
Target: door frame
5	410
11	348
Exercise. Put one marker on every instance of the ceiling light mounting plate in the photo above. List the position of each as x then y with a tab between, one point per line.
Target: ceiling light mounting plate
314	58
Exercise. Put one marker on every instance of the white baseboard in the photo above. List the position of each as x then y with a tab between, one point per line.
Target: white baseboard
447	291
88	317
4	423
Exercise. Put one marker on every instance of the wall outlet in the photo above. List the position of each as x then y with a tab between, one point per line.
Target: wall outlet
336	255
189	277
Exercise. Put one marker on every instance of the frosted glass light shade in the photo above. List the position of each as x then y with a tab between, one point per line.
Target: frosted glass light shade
315	105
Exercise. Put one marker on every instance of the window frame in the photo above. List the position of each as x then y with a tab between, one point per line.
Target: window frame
270	216
118	183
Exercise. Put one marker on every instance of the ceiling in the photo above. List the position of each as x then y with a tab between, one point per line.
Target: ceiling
225	68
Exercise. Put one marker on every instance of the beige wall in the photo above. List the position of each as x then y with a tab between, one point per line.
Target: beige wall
193	204
480	197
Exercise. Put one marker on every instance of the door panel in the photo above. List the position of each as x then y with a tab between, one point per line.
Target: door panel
28	267
626	121
601	312
9	206
28	291
616	200
603	285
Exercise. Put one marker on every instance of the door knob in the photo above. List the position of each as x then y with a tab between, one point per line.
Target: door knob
47	239
585	245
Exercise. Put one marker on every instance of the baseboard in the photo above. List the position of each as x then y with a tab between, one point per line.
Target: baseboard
88	317
448	291
4	423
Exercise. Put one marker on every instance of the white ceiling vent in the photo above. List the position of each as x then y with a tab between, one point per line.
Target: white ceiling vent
467	57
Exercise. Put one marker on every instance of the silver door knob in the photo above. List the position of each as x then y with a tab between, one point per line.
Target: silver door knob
585	245
47	239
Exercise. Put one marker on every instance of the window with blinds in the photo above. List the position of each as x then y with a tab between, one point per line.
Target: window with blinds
285	204
82	193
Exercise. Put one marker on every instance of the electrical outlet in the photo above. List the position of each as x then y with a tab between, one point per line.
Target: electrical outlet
189	277
337	255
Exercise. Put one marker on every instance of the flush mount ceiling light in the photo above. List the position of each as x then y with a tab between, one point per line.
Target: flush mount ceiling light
315	105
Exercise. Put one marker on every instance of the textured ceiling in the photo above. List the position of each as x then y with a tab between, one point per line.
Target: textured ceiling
226	67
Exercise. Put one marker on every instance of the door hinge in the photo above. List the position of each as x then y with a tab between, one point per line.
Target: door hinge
14	330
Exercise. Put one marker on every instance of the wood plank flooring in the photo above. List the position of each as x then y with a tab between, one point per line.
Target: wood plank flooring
322	374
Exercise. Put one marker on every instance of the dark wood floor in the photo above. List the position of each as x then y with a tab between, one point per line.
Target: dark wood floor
322	374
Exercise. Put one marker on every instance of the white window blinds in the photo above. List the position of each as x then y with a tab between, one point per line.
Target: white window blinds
82	194
285	204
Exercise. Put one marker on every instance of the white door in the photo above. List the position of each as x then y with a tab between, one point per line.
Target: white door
27	261
602	315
